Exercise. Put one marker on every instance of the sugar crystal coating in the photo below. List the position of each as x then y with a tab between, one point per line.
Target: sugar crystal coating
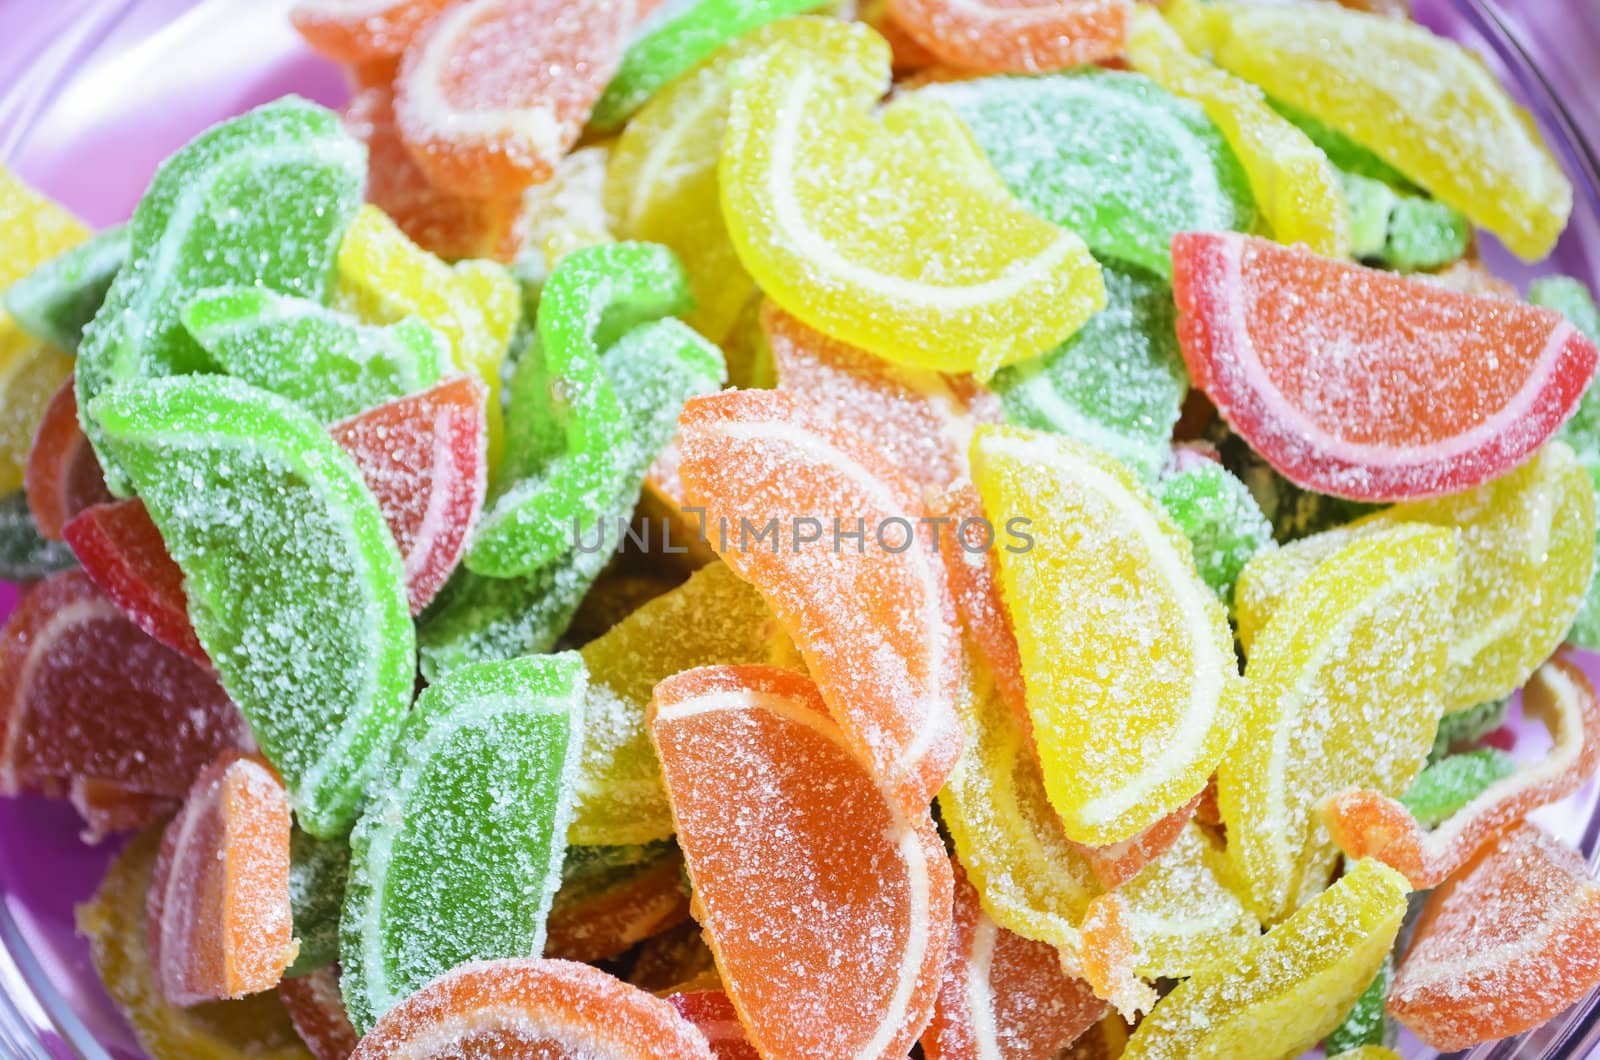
55	301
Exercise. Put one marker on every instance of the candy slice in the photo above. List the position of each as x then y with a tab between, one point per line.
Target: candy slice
875	625
36	229
924	257
1451	783
1423	103
55	301
1217	513
259	200
1291	985
355	31
293	581
219	916
1369	626
1296	188
826	903
425	458
25	555
481	775
603	910
1367	824
62	477
1029	36
494	92
317	1012
1127	658
1180	914
318	869
1407	232
565	213
536	1008
1108	155
716	1018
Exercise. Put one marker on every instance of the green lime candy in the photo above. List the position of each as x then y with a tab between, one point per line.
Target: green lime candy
317	872
1366	1023
260	200
1109	155
24	555
1118	384
294	582
1218	515
1465	726
1398	230
459	853
55	301
1453	781
1371	204
328	363
1293	512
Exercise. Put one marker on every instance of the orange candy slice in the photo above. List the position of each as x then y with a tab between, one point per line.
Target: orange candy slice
527	1007
826	903
360	31
875	625
1015	36
219	916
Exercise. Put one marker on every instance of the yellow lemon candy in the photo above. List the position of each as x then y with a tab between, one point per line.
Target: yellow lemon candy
1179	913
567	212
888	229
1294	184
33	229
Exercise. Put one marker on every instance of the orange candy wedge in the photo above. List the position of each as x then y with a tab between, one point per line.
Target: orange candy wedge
362	31
218	914
317	1011
827	905
1015	36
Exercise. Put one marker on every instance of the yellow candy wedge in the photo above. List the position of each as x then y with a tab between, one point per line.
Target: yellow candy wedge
567	212
1424	104
1294	184
889	229
1127	658
1290	986
1344	691
33	229
1181	915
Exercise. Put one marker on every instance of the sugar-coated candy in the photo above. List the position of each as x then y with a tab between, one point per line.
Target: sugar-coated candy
1290	986
603	908
1109	155
558	1010
1347	155
1468	726
1112	621
826	902
1217	513
317	872
1117	863
1365	1023
458	853
36	228
219	917
1026	37
565	213
922	256
1452	782
1508	942
63	476
294	584
716	1018
1367	632
259	200
1401	231
317	1012
1180	913
369	29
25	554
55	301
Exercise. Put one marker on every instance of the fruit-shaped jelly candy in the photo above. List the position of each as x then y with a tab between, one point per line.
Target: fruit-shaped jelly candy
294	584
113	921
1217	513
1367	824
1290	986
317	1012
922	257
1002	995
1127	658
1108	155
458	855
494	92
1365	1023
24	554
558	1010
1421	102
873	619
1344	689
219	918
425	458
601	912
260	200
1296	188
1453	782
827	904
716	1018
55	301
1179	913
63	475
36	229
1026	37
713	618
368	29
1402	231
1432	391
317	872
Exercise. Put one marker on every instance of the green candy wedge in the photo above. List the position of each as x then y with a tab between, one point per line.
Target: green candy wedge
56	301
1218	515
1453	781
1399	230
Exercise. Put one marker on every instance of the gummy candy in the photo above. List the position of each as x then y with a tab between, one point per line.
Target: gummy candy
293	581
327	363
62	477
1366	634
1218	515
1365	1024
921	256
1366	824
1127	658
558	1010
1117	863
1434	392
826	903
55	301
1401	231
1347	156
317	1012
317	872
36	229
1108	155
368	29
908	55
718	1020
1296	188
565	213
600	912
1180	915
219	918
458	855
1508	942
1423	103
1026	37
24	554
1453	782
259	200
1003	995
1290	986
873	624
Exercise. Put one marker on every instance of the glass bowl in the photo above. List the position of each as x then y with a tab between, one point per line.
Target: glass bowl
97	92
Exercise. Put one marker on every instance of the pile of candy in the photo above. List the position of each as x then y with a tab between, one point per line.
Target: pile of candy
1090	614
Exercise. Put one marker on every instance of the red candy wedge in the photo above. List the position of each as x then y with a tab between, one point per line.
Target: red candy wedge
1508	943
1368	384
316	1009
718	1020
425	457
62	477
219	921
826	904
1016	36
359	31
526	1007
